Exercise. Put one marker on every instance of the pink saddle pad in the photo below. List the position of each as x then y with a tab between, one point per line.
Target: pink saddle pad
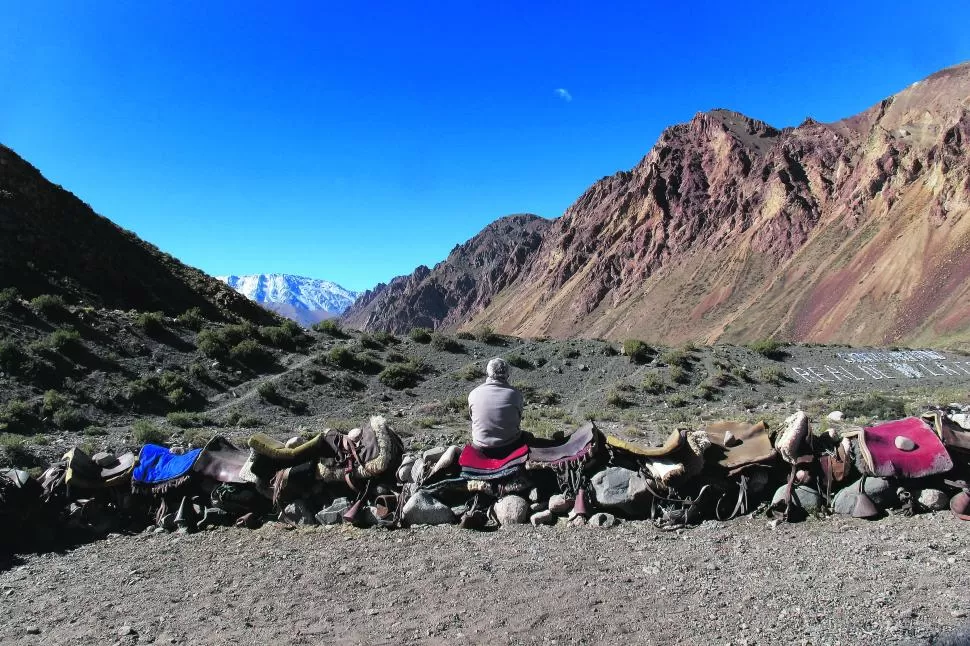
885	459
473	458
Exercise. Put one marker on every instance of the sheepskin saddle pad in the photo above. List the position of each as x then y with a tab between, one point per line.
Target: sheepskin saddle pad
159	470
364	453
737	445
221	461
98	471
682	454
576	448
905	448
492	464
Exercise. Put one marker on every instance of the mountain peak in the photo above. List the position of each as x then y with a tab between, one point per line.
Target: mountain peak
303	299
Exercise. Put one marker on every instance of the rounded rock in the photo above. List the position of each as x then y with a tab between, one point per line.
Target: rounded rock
602	520
806	497
560	504
904	443
512	510
934	499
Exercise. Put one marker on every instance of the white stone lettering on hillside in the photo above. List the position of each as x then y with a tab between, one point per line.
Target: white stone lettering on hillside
884	366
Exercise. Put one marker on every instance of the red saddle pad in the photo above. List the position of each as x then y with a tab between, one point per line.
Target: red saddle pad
882	456
473	458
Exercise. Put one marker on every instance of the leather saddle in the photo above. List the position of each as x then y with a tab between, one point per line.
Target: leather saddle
577	448
220	460
681	454
738	446
99	471
951	431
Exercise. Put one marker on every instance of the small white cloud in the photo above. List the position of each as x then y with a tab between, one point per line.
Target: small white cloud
564	94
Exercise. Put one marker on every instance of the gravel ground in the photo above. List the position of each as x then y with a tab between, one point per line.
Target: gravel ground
839	581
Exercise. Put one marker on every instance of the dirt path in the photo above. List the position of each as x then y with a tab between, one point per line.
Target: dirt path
822	582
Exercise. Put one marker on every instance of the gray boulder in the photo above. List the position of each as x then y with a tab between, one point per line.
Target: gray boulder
334	513
424	509
560	504
620	488
806	497
298	513
512	510
934	499
543	518
880	490
602	520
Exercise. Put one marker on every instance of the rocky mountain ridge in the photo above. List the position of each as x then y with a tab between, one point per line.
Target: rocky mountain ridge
731	230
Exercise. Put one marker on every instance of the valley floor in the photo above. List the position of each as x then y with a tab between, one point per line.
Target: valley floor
838	581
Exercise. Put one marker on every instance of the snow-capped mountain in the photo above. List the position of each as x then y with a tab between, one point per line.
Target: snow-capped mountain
305	300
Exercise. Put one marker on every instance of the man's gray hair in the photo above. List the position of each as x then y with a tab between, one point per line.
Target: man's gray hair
497	369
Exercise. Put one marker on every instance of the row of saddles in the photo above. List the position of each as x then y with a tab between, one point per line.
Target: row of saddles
365	477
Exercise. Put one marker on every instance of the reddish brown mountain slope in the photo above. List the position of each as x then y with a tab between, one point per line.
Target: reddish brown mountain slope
729	229
457	288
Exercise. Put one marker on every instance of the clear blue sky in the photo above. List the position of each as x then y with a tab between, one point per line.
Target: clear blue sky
354	141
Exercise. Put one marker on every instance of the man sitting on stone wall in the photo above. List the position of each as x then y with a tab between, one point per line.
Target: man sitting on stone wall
496	409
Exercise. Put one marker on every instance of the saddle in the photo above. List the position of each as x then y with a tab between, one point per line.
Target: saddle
739	446
492	464
951	430
682	454
906	448
97	472
159	470
577	448
220	460
268	455
362	456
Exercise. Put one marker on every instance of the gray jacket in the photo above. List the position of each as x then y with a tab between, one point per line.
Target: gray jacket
496	411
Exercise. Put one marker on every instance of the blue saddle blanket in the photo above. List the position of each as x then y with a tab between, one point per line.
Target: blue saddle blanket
157	465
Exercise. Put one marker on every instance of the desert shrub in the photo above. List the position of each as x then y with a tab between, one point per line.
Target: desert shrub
518	361
342	356
689	347
876	405
144	432
395	357
8	296
771	375
211	344
678	375
615	398
15	451
471	372
370	342
268	392
485	334
196	438
178	397
53	401
385	338
235	418
251	354
465	335
706	391
677	358
51	306
184	419
278	336
571	353
637	351
653	383
11	357
191	318
60	340
95	431
420	335
676	401
347	382
151	322
445	343
426	422
17	416
198	371
330	327
768	348
399	376
546	397
609	351
69	419
456	404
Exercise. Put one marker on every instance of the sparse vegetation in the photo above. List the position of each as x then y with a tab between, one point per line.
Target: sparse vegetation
69	419
678	375
286	336
8	296
268	392
191	318
465	335
252	354
444	343
15	452
471	372
676	401
17	416
768	348
771	375
616	398
546	397
11	357
152	323
873	405
653	383
676	358
485	334
183	419
420	335
51	306
330	327
518	361
637	351
60	340
399	376
196	438
144	432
